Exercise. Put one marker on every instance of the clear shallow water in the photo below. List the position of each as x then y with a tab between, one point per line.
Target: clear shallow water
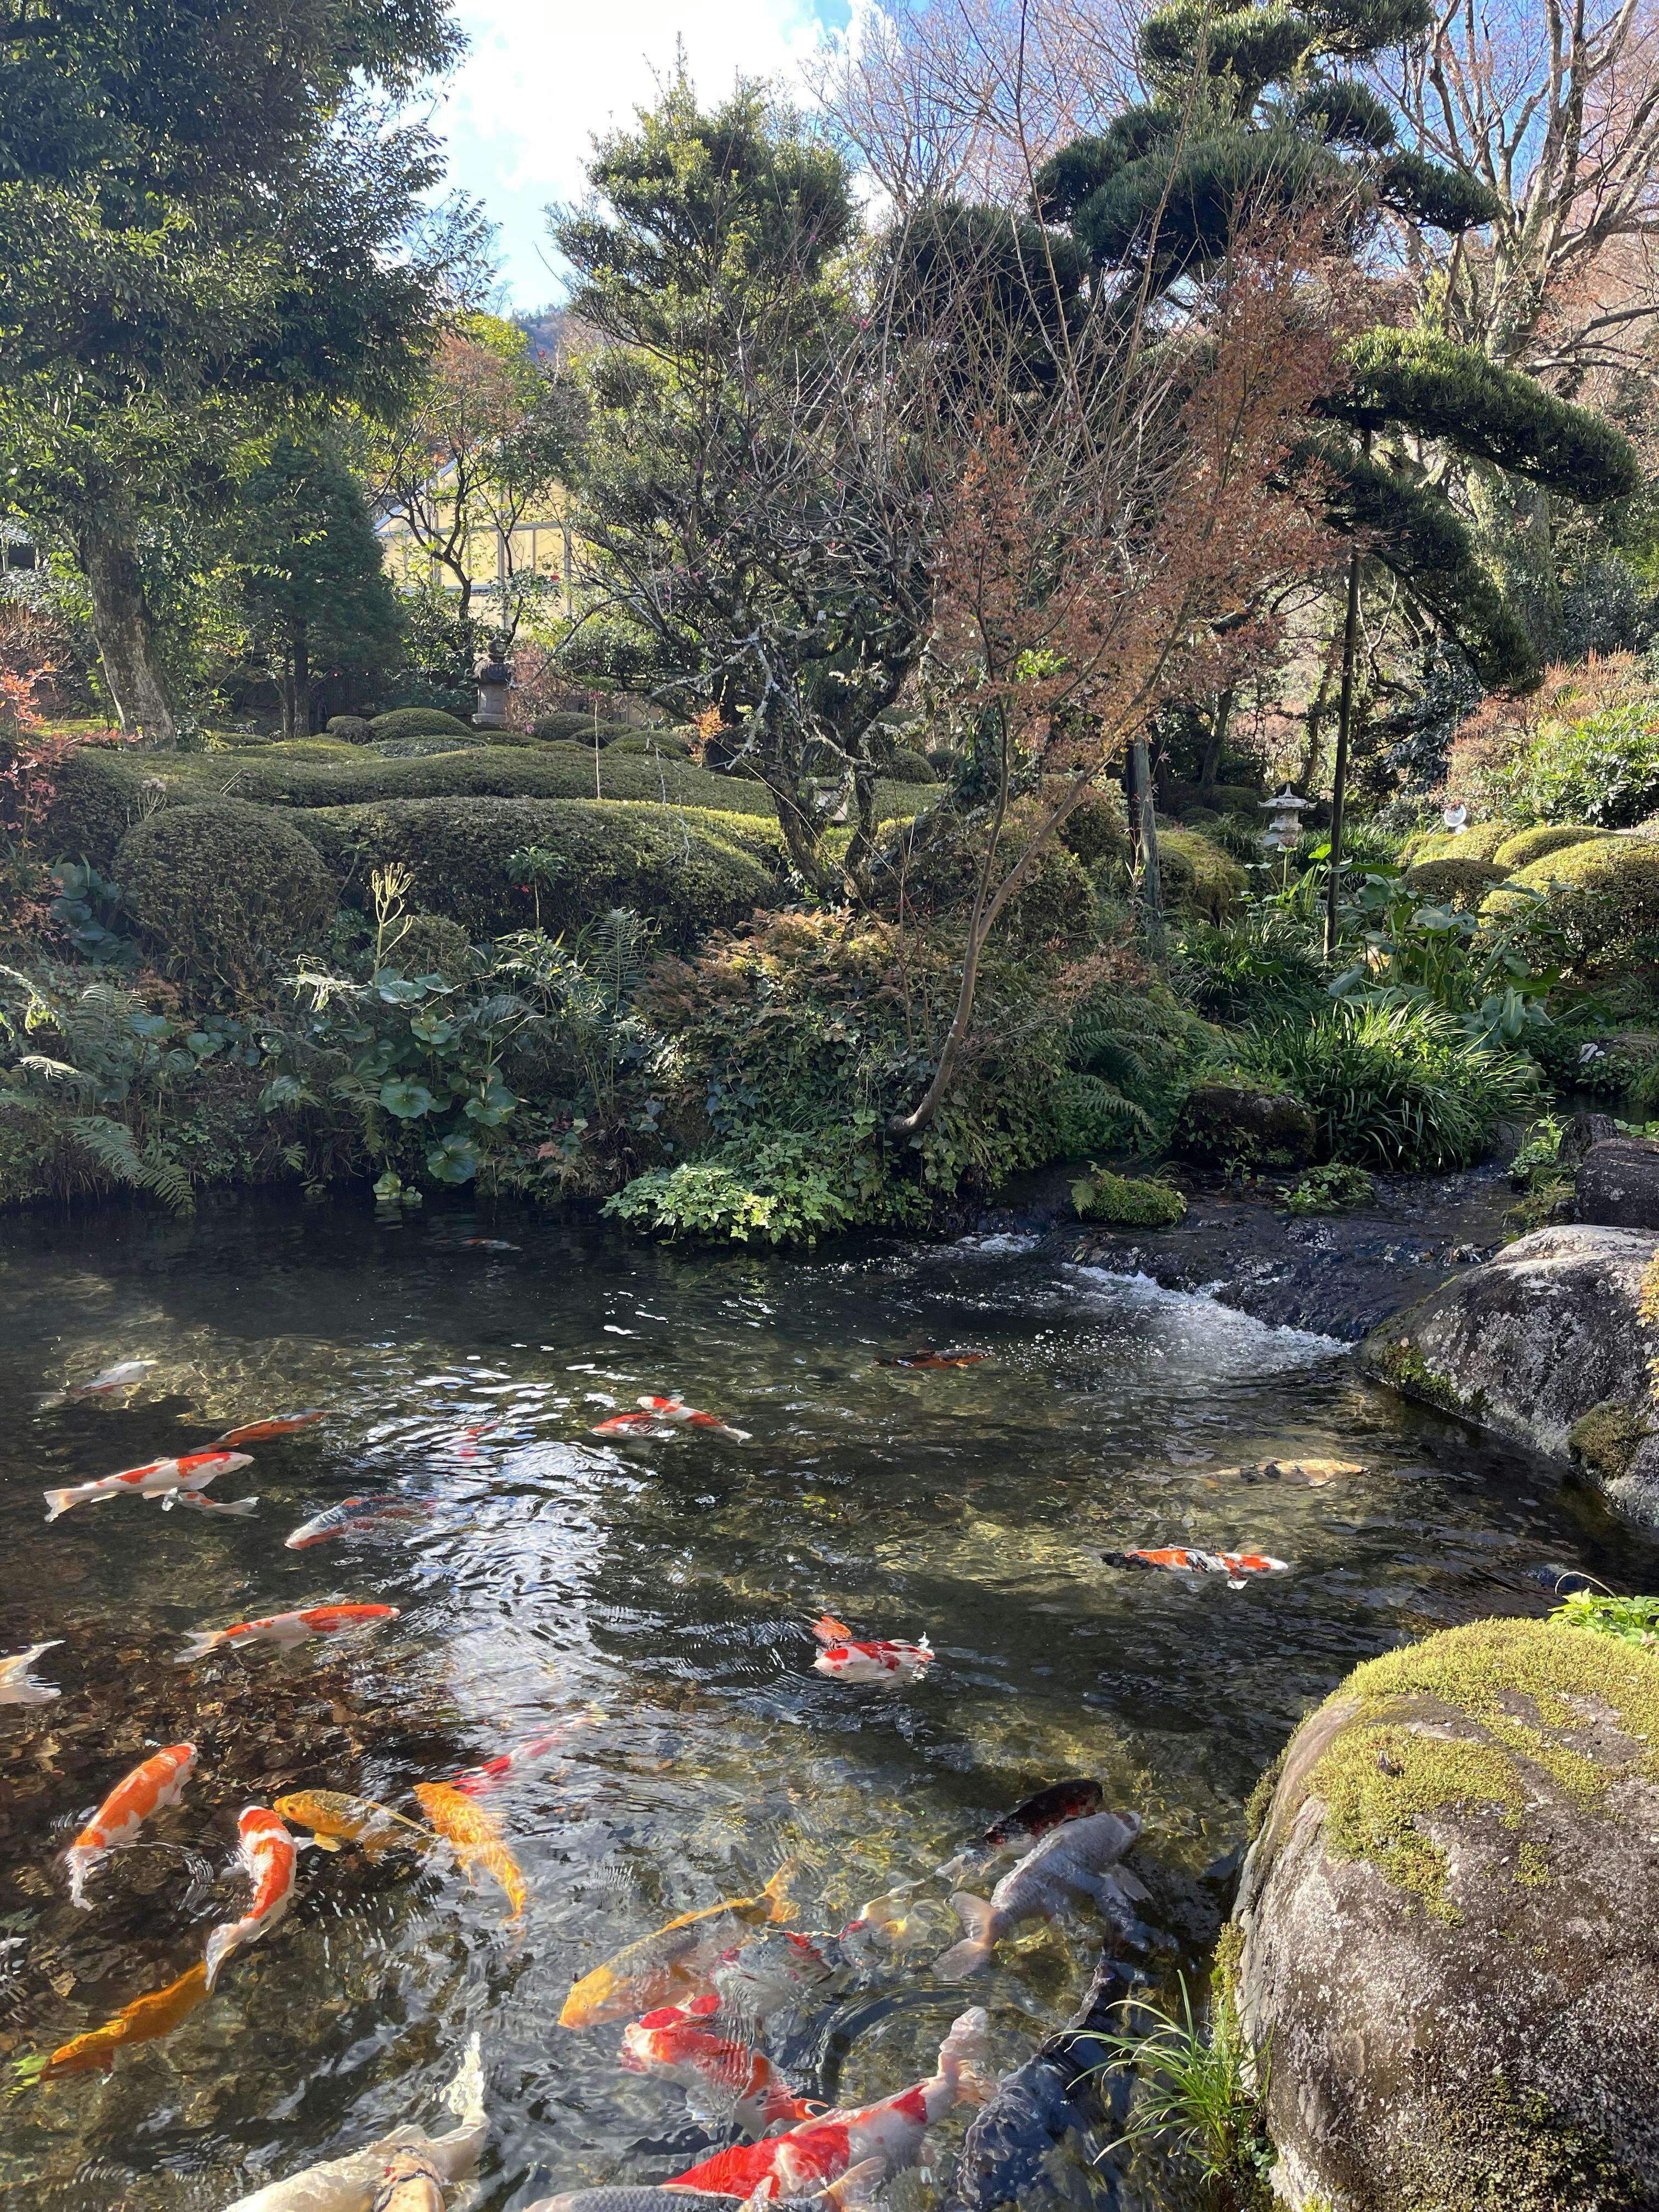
663	1585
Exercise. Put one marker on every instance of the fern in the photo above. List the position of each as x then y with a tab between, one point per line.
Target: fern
112	1146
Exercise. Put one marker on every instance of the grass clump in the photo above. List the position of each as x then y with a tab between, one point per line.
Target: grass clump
1604	1441
1135	1201
1332	1189
1202	2094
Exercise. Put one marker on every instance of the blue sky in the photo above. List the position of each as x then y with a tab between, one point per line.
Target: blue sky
540	80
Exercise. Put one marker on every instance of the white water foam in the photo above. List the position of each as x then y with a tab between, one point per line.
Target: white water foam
1195	1325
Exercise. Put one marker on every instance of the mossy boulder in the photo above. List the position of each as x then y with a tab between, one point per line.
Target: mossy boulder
1528	1343
1445	1933
1458	883
1201	881
1235	1123
1543	839
1602	895
1133	1201
350	729
419	722
1098	830
217	889
687	875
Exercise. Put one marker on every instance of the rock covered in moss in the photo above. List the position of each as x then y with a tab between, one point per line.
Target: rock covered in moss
1448	1942
1200	878
1618	1183
1529	1342
1239	1124
218	889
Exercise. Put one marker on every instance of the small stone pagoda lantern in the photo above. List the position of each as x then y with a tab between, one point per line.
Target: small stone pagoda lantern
494	675
1286	810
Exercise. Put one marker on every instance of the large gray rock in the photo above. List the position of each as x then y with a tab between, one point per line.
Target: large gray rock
1618	1184
1445	1936
1546	1345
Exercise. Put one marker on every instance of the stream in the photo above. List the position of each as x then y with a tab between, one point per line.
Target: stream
655	1591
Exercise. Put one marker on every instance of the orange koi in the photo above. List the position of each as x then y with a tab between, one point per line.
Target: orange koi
268	1858
274	1424
158	1782
157	2013
286	1628
475	1839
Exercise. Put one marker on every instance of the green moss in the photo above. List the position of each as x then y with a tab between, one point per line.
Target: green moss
1200	880
1259	1804
1529	845
1515	1687
1494	2151
1403	1366
216	890
1604	1441
1133	1200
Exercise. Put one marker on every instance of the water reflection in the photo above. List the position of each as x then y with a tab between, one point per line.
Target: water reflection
663	1584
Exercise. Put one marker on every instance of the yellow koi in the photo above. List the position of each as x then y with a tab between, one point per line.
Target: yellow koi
156	2014
336	1819
475	1837
660	1967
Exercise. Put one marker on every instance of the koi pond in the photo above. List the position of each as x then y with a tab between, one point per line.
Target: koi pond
644	1598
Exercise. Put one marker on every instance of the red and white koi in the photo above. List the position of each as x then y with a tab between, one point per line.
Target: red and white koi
495	1773
658	1413
268	1857
886	1660
820	2151
16	1686
1187	1560
154	1479
274	1424
357	1517
198	1503
160	1781
125	1375
287	1628
737	2082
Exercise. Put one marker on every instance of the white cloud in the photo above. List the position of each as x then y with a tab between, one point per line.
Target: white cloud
541	79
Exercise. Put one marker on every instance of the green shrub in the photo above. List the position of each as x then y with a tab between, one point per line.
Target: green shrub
655	742
1255	968
1529	845
100	792
582	728
1400	1086
1602	898
350	729
783	1189
1455	882
423	748
419	722
1480	842
686	877
1095	829
1135	1201
220	888
1200	880
1331	1189
1603	769
909	766
430	945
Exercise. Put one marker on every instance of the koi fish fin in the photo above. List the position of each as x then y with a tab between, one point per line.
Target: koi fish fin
777	1891
738	1436
978	1916
830	1631
57	1501
244	1505
204	1641
322	1842
966	2051
465	2095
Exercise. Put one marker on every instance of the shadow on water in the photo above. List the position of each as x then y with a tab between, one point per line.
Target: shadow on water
659	1589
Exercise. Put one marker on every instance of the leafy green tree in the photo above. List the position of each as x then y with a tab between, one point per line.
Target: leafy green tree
315	588
1256	106
206	223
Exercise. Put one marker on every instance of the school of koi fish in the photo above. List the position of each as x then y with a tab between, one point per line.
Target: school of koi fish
690	1996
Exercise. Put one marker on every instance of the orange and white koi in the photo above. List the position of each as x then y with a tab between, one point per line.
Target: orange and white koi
197	1503
274	1424
357	1517
268	1858
160	1781
1187	1560
660	1413
474	1837
16	1686
157	2013
884	1661
125	1375
286	1628
154	1479
741	2084
659	1967
820	2151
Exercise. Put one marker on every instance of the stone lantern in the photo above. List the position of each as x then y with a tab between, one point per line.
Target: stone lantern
494	675
1285	828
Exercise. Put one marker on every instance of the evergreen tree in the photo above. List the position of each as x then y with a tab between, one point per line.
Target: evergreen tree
315	591
1254	106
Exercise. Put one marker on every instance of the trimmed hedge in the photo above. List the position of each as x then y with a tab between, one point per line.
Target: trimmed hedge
687	873
432	944
1454	882
582	729
1198	878
218	888
909	766
419	722
1529	845
1096	829
1603	895
1480	842
99	794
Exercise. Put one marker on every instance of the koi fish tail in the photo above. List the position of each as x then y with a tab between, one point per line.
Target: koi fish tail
738	1436
978	1916
80	1863
859	2188
201	1643
964	2056
777	1891
465	2095
225	1940
243	1505
57	1501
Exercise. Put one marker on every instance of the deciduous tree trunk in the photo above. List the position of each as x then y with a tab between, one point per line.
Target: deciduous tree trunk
300	715
125	631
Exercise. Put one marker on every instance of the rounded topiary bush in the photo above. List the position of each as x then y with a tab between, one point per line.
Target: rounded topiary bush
218	888
1603	896
908	766
99	793
353	728
419	722
1529	845
1095	829
659	742
1200	880
1455	883
432	944
1479	842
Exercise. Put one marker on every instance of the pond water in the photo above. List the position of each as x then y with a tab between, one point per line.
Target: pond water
658	1590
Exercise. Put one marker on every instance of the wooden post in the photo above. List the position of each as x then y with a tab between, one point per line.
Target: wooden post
1344	712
